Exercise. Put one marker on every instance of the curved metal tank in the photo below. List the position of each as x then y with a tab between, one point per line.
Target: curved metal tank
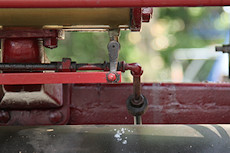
116	139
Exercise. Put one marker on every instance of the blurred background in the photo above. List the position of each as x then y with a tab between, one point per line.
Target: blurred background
178	45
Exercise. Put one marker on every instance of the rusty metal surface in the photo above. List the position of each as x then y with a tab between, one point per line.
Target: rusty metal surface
50	96
21	50
47	116
107	3
106	104
116	139
28	33
136	19
26	50
168	103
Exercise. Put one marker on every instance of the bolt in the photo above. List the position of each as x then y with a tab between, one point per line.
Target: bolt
146	14
112	77
55	117
50	43
4	116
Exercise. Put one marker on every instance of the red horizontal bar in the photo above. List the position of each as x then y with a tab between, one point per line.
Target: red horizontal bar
168	103
53	78
108	3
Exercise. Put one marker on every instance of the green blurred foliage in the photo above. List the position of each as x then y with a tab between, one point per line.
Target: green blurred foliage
191	18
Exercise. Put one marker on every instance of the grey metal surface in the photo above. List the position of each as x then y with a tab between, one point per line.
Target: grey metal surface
116	139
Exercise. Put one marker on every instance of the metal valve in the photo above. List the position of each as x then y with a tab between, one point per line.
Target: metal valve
113	48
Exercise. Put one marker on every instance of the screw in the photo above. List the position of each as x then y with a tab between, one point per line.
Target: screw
4	116
112	77
55	117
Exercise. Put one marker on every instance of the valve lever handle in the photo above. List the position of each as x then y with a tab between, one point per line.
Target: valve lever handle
113	48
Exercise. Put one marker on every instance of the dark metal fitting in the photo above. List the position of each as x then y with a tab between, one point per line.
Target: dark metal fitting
50	43
55	117
114	34
138	102
136	110
146	14
4	116
224	48
67	65
136	74
112	77
106	66
121	66
135	68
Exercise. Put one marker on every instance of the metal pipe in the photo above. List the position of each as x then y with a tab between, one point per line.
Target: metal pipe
97	66
136	87
27	67
136	71
137	120
53	66
108	3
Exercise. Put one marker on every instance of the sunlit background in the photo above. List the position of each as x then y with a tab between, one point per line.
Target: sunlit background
178	45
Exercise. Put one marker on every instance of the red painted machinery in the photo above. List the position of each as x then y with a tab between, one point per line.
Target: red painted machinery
35	93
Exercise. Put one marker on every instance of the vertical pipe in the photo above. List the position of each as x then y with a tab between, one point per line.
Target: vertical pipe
137	120
136	87
229	65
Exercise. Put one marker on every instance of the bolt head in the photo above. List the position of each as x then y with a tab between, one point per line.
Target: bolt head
4	116
147	14
55	117
112	77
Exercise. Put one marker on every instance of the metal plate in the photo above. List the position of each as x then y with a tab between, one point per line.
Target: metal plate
116	139
181	103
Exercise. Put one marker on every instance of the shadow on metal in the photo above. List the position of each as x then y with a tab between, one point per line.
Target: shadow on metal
116	139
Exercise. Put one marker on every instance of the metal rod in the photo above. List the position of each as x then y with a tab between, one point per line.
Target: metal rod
137	120
97	66
136	87
27	67
54	66
229	65
108	3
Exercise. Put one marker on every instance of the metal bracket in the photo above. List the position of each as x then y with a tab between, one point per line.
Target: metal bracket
224	48
113	48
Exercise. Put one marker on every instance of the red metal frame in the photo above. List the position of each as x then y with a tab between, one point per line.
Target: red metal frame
107	3
106	104
50	116
53	78
168	104
27	33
